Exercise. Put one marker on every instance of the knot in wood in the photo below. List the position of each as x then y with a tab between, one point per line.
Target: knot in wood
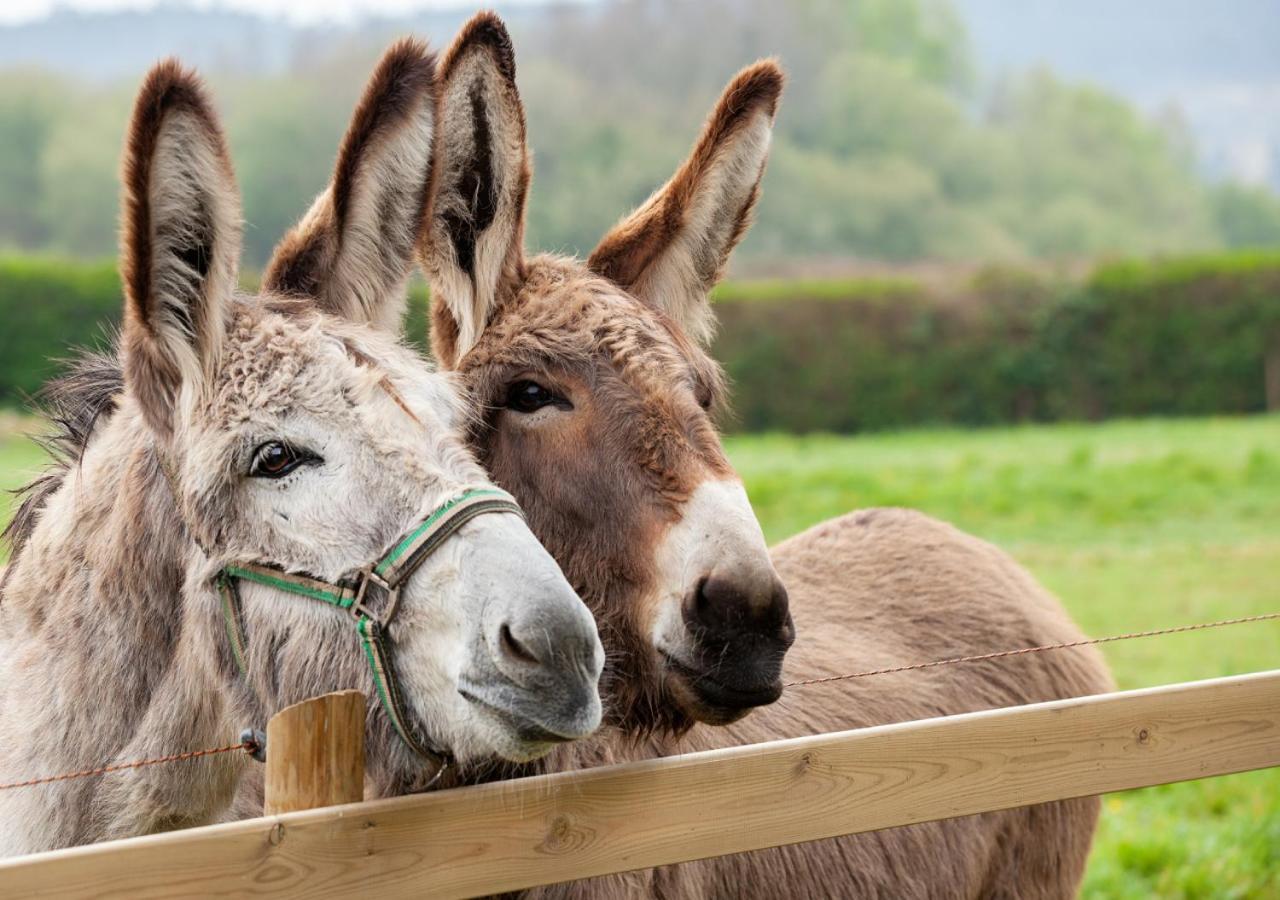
804	762
562	836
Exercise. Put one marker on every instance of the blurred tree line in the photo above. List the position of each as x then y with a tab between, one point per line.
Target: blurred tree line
891	144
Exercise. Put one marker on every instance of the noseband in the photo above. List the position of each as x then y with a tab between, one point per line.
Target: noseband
371	595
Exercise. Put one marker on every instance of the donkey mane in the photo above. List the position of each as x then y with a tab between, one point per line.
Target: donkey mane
73	403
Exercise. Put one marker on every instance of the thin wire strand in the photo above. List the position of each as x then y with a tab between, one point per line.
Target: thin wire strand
1064	646
247	746
250	747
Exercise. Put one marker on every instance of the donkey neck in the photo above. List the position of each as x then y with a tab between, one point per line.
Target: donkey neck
104	658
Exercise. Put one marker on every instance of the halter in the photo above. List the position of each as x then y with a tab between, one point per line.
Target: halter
371	595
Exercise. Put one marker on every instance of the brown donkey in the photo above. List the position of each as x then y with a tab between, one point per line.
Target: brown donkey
595	390
156	601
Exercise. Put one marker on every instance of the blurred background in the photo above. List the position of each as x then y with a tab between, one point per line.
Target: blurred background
1016	264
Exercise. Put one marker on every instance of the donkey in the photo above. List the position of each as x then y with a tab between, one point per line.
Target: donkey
597	394
155	602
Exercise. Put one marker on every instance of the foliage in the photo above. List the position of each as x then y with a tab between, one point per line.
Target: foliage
1247	216
1134	525
891	143
50	308
1175	337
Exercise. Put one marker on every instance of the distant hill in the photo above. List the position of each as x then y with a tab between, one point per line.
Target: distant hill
101	47
104	46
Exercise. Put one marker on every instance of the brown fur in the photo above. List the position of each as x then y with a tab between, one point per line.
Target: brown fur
644	387
634	244
600	511
879	588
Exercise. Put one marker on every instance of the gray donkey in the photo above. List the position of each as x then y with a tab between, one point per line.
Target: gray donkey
273	503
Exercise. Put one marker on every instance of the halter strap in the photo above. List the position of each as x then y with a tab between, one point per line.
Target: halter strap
356	593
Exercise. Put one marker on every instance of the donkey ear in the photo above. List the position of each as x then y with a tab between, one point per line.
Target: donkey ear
180	241
353	250
672	250
473	249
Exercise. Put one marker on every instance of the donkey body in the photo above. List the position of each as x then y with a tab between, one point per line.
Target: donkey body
883	587
256	430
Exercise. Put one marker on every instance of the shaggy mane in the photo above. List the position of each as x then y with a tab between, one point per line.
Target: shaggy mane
73	403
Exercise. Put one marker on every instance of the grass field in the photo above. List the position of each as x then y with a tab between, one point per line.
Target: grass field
1135	525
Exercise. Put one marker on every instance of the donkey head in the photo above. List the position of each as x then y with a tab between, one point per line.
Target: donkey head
295	436
597	391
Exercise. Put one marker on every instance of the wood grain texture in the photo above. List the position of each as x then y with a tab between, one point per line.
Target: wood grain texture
315	753
510	835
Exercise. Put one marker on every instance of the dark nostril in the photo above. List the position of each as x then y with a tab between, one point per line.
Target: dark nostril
720	602
514	648
717	602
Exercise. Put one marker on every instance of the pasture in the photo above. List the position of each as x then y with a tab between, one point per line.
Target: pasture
1135	525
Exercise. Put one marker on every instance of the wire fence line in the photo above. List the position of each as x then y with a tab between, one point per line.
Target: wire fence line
251	747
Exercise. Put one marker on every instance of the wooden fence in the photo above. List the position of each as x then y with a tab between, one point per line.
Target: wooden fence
516	834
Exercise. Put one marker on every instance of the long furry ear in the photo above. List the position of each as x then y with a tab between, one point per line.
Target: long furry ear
473	249
353	250
180	241
672	250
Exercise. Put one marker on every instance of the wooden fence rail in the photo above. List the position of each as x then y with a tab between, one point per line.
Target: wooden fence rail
539	830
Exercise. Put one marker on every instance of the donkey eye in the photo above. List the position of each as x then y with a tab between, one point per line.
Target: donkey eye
529	396
276	459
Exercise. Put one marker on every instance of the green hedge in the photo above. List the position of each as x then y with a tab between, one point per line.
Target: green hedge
1179	337
1176	337
49	307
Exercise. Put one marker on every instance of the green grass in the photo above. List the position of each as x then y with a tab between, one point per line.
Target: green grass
20	459
887	289
1135	525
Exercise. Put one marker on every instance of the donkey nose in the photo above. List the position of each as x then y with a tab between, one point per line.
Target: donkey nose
724	602
536	648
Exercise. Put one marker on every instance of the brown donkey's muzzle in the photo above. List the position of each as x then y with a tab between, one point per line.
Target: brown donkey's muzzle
741	629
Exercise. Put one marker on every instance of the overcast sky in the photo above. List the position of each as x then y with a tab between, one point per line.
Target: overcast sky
12	11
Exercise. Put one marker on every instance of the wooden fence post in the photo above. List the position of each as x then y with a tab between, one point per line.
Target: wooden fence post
315	753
